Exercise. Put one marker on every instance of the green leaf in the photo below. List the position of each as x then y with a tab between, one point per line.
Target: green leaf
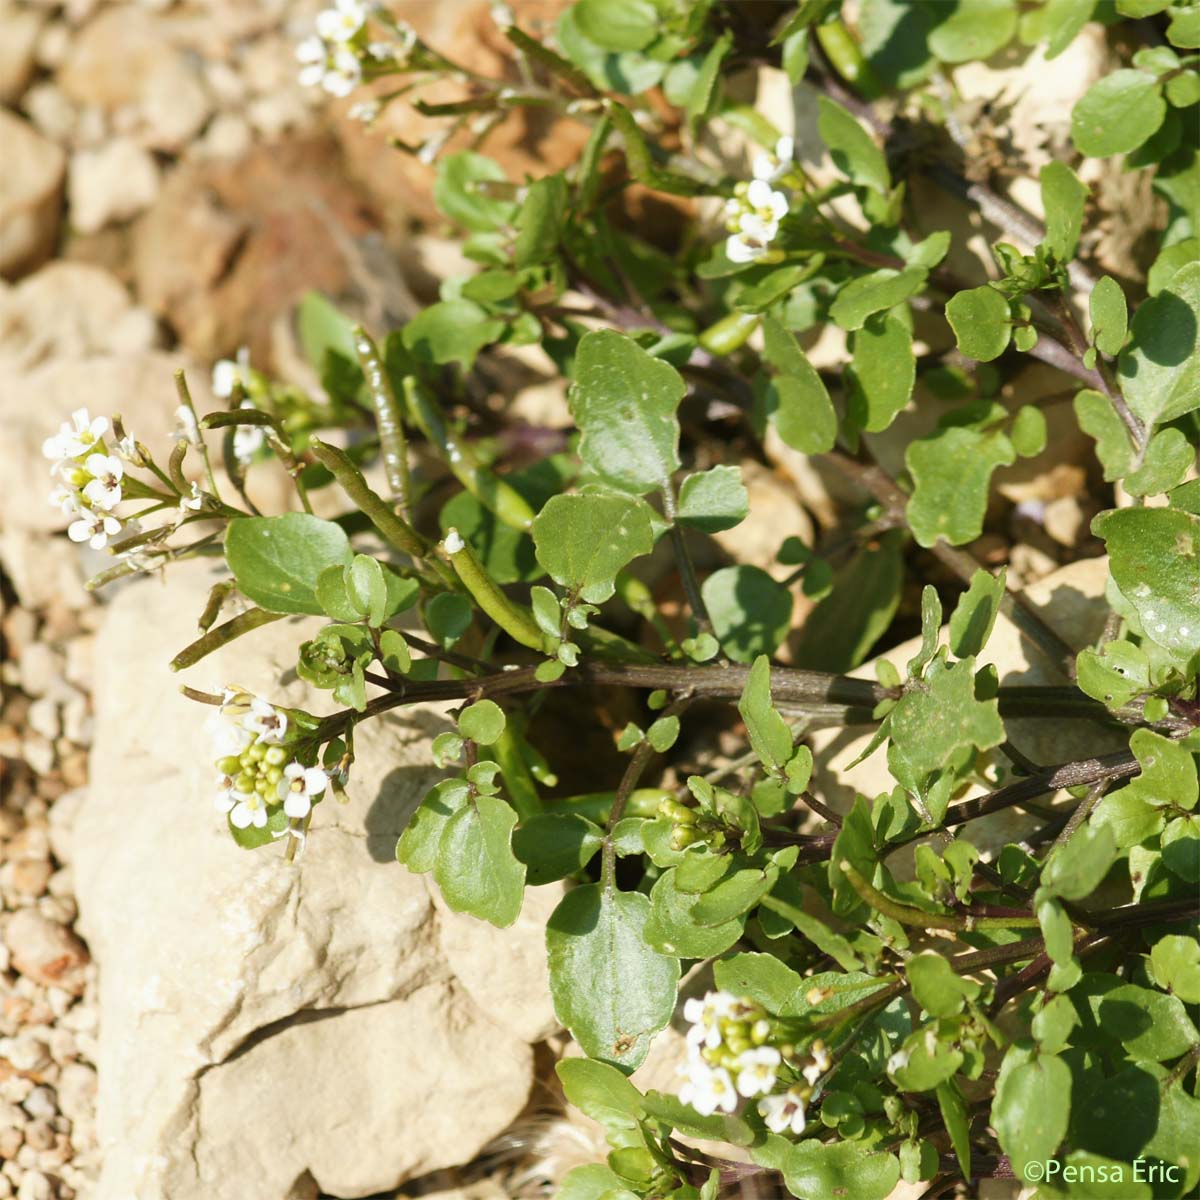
975	614
618	24
1110	316
785	900
931	621
1160	368
476	869
713	500
671	928
1053	1024
974	29
952	471
1031	1106
555	845
583	541
768	731
624	402
1078	867
1171	259
394	651
953	1108
797	400
1117	114
1175	963
324	330
662	734
1115	675
610	989
980	320
448	616
366	589
1168	771
332	595
1150	1025
276	561
601	1092
482	722
539	223
868	294
1062	20
1064	199
593	1181
830	1171
418	844
1154	557
882	373
750	612
451	331
719	1127
852	148
1028	432
734	895
1168	456
935	986
706	86
459	195
1098	419
839	633
929	724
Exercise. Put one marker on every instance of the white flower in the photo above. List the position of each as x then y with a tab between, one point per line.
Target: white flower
756	1071
311	50
104	491
298	786
898	1061
76	437
265	720
768	166
247	809
708	1089
366	112
706	1015
741	249
67	500
248	440
194	500
341	22
345	74
228	737
767	203
225	376
783	1112
95	528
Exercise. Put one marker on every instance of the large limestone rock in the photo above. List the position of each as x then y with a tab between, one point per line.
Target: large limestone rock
275	1029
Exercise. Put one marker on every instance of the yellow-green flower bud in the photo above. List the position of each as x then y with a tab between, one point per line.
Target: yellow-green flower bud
229	765
276	756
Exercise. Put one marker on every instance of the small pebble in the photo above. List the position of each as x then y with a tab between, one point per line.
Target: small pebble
41	1103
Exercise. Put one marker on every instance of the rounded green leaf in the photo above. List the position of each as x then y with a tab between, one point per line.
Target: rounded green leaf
610	989
476	869
461	192
482	722
277	561
973	29
1117	114
980	320
713	500
750	612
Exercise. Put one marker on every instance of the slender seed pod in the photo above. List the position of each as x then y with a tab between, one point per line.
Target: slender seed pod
387	418
518	623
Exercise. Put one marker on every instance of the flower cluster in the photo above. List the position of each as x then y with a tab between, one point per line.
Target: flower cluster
334	58
753	214
258	769
733	1053
90	478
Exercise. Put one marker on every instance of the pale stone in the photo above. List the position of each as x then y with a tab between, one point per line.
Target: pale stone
1071	601
112	183
68	310
30	195
125	60
17	49
45	951
234	984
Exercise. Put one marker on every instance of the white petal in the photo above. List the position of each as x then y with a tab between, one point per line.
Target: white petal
241	816
785	149
297	805
762	166
315	781
739	250
311	50
759	193
259	817
81	530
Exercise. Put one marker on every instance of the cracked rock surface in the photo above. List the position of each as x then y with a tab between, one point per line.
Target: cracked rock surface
284	1028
